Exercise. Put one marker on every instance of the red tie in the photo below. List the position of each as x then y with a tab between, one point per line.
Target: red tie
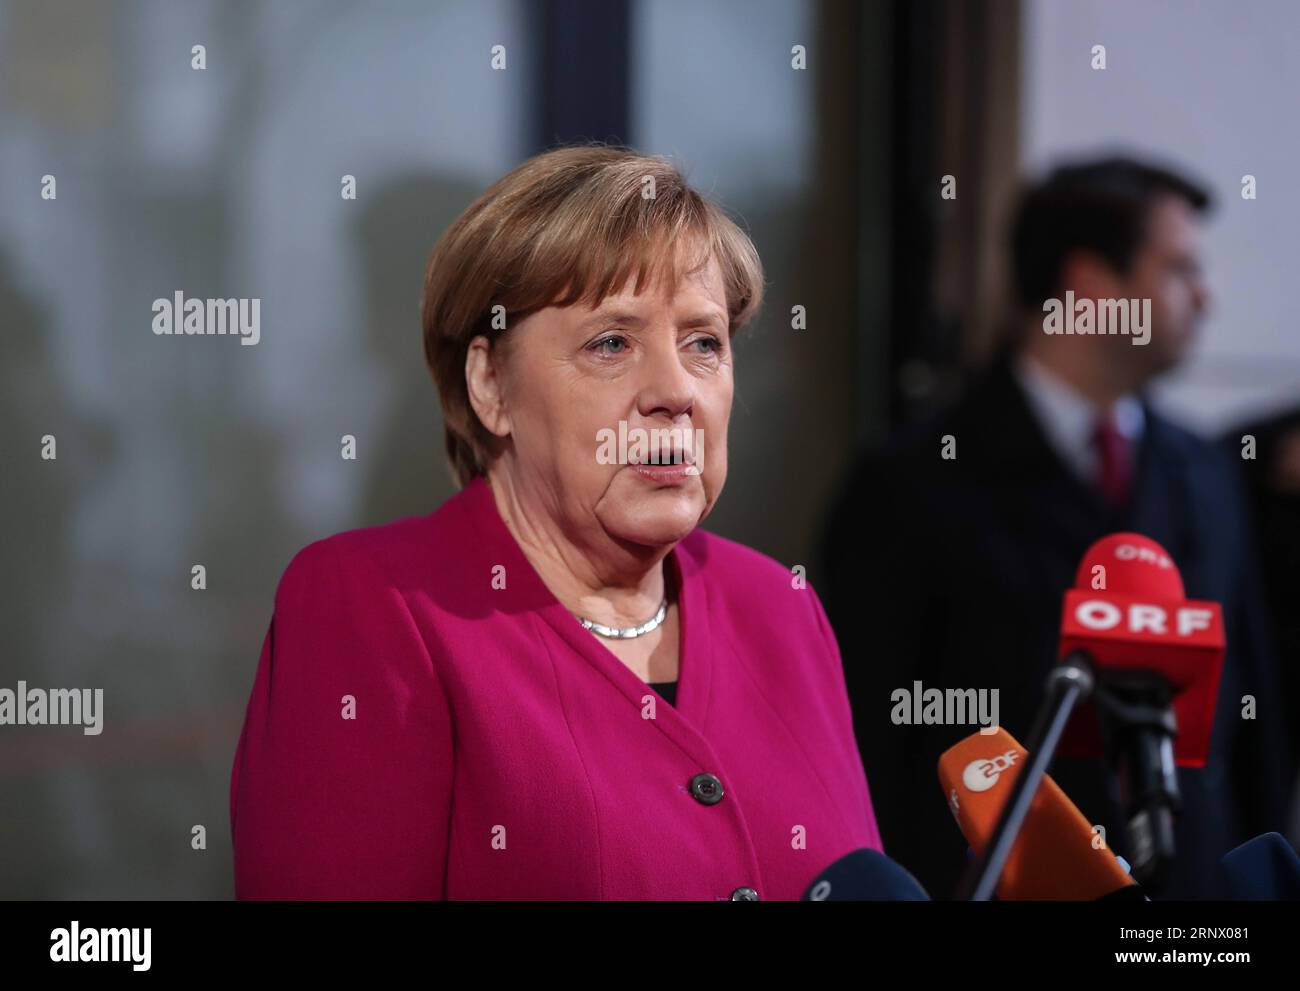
1114	456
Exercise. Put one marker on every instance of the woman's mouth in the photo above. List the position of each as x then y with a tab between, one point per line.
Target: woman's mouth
667	470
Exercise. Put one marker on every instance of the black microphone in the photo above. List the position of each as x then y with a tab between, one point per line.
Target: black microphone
1263	869
865	876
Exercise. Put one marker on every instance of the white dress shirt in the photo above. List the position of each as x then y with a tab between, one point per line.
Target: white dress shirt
1069	419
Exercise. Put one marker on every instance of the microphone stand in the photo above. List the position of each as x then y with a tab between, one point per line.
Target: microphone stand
1069	684
1138	727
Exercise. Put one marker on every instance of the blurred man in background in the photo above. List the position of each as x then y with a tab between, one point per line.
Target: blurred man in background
950	570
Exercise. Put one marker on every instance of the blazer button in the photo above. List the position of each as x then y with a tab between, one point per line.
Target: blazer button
744	895
706	789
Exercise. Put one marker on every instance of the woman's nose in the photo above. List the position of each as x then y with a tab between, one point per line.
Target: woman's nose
667	386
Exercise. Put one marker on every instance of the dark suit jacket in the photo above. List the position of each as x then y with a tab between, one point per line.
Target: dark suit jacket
951	573
1276	518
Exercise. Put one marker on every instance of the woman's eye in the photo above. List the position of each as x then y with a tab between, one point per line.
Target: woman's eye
604	344
711	344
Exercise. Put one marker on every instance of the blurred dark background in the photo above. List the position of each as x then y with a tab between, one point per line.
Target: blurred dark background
226	182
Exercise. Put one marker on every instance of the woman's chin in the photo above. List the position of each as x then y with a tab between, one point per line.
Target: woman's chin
655	520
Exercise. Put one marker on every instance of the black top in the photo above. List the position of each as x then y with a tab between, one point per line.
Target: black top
668	689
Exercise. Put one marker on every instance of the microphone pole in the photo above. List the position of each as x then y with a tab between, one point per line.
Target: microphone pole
1138	728
1069	684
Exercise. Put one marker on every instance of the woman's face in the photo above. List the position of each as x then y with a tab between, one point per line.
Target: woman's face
643	369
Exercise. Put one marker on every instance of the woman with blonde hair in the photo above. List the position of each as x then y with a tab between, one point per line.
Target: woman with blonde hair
556	685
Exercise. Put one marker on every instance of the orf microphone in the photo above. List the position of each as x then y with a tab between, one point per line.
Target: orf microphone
1156	658
862	876
1128	615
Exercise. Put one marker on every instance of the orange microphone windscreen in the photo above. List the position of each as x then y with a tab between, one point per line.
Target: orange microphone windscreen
1056	857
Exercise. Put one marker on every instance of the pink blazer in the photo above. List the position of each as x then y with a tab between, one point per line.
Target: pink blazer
416	732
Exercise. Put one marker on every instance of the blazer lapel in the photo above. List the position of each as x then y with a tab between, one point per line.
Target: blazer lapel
1161	508
1020	464
526	593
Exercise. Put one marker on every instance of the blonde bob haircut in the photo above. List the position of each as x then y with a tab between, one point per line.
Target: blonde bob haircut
565	227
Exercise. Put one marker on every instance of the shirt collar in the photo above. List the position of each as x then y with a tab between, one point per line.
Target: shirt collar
1068	418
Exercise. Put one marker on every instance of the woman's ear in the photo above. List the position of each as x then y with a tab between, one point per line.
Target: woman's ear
483	381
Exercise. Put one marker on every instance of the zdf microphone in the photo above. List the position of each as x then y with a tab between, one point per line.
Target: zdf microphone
1056	856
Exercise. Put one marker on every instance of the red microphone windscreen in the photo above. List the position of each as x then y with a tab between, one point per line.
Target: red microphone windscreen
1130	564
1128	613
